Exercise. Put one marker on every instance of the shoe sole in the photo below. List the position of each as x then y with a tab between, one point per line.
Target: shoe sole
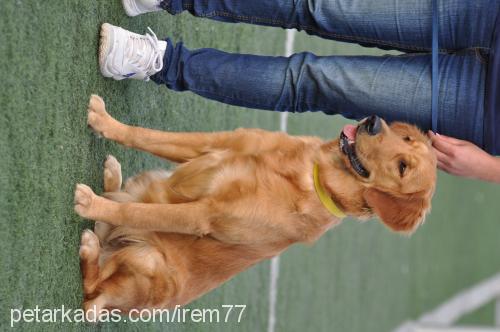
105	48
129	9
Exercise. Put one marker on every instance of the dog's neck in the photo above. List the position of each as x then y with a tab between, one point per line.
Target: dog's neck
343	186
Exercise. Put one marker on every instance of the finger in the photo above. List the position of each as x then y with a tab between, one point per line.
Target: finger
443	146
454	141
443	159
442	166
451	140
451	170
447	169
433	136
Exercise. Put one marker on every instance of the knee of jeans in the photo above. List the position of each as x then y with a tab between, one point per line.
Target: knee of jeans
311	15
302	83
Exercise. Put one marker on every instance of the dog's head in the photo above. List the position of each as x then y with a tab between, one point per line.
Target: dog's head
396	166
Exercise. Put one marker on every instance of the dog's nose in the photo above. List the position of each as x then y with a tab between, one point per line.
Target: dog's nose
373	125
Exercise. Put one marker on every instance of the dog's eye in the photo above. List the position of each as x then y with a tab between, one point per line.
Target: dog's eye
407	138
402	167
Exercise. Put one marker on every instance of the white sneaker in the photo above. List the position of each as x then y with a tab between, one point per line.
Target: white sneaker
124	54
137	7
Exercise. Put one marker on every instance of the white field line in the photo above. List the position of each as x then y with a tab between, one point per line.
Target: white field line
273	293
275	262
459	305
497	312
457	329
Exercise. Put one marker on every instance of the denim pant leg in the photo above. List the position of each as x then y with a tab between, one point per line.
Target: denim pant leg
404	24
394	87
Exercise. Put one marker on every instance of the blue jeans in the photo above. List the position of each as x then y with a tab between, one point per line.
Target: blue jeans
393	87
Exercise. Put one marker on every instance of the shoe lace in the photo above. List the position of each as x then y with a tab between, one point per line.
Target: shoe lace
142	57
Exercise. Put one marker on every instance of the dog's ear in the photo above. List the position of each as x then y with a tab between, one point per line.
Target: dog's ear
401	214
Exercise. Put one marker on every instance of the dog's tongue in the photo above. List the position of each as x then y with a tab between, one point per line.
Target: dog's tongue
350	132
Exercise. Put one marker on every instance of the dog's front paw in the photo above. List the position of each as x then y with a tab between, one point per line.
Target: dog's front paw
84	197
97	118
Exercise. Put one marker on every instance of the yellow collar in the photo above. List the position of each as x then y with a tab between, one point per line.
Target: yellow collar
327	201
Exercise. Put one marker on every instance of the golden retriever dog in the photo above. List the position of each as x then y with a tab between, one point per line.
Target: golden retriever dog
237	197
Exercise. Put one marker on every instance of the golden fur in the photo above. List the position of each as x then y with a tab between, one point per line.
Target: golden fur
235	199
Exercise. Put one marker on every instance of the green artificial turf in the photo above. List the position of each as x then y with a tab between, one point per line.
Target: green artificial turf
359	277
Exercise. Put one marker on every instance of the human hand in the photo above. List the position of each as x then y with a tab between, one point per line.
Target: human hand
462	158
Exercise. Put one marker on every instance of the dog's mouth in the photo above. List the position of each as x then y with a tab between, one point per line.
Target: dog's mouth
348	147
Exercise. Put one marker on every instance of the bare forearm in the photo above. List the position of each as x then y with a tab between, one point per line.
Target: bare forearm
492	170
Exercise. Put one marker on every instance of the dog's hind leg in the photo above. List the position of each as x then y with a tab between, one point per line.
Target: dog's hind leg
94	300
89	261
134	277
